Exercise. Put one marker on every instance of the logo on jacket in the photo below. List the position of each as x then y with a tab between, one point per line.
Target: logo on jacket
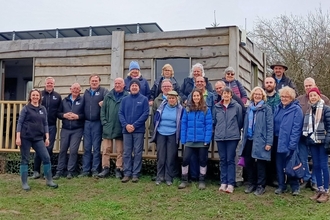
77	103
97	93
41	112
54	98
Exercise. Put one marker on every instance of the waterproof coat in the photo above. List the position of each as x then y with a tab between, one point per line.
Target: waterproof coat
188	85
144	86
228	121
285	81
158	116
290	128
109	116
196	126
156	89
237	88
263	132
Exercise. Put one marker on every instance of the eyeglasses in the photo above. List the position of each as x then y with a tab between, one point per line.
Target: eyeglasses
257	94
230	74
285	97
35	90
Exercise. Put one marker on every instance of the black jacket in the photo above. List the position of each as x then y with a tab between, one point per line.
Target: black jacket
285	81
52	102
188	86
77	107
156	89
91	102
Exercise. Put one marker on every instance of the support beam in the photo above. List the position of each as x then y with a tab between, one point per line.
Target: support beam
117	56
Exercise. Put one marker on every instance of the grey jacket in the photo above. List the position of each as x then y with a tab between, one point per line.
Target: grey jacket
228	121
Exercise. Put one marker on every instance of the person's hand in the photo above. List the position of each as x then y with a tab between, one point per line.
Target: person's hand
47	142
130	128
100	103
267	148
18	141
151	103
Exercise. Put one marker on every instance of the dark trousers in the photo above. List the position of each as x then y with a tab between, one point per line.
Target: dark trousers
92	146
227	154
281	159
256	169
133	144
167	151
38	147
52	136
271	165
200	151
320	165
69	139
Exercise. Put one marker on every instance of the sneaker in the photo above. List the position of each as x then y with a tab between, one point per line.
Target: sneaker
119	173
158	182
201	185
296	192
250	189
260	190
279	191
223	188
36	175
169	183
183	185
324	197
135	179
69	176
230	189
125	179
57	175
316	195
84	174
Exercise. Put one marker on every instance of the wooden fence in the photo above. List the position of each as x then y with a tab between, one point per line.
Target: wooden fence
9	113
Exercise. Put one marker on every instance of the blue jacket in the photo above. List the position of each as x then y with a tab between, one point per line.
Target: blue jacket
228	122
144	89
290	128
134	110
92	108
210	100
196	126
188	85
262	133
76	107
157	118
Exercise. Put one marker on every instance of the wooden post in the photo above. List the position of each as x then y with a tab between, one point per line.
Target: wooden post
234	49
117	56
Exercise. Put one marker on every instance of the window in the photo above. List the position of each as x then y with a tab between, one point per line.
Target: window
28	87
254	75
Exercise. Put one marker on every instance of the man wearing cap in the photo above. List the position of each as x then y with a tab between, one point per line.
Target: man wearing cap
134	73
281	79
309	83
133	113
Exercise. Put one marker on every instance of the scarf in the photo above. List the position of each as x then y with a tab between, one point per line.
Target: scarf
308	129
252	109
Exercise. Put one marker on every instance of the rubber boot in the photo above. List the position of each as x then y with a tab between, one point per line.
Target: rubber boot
49	176
202	172
24	177
184	178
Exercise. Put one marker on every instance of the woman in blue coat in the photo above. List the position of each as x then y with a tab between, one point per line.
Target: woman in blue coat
228	123
288	122
257	140
196	134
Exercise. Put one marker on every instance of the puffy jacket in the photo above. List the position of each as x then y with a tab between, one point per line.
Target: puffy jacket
109	116
134	110
51	101
144	89
188	85
285	81
196	126
156	89
209	101
157	119
237	88
91	103
228	121
77	107
290	128
262	133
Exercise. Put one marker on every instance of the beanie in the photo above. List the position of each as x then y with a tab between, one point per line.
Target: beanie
134	65
314	89
135	81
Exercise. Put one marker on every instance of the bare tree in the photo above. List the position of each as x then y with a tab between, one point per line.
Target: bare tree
303	43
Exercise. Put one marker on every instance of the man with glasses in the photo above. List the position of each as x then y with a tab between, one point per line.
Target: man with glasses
52	101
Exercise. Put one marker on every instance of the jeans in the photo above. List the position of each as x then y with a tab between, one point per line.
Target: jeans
133	143
38	147
281	159
320	165
167	151
52	136
92	142
69	139
271	169
303	155
107	145
227	154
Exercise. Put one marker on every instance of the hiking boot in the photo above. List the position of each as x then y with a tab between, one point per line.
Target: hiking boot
223	188
57	175
69	176
184	181
279	191
119	173
84	174
296	192
250	189
125	179
201	185
95	173
158	182
36	175
260	190
135	179
230	189
324	197
169	183
105	172
316	195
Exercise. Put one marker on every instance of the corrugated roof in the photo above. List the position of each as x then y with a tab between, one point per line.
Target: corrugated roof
80	31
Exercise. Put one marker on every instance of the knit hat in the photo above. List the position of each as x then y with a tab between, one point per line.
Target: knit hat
314	89
135	81
134	65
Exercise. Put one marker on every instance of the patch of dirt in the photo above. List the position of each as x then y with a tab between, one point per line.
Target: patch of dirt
3	211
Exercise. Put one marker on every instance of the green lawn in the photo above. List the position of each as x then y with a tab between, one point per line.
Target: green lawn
89	198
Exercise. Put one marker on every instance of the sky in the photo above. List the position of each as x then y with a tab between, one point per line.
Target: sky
22	15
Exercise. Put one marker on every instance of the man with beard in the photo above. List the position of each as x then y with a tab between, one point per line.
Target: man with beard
280	77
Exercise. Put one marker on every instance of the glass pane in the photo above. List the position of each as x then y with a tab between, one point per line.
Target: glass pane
181	67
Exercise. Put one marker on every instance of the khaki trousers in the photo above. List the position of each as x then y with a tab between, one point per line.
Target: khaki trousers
107	149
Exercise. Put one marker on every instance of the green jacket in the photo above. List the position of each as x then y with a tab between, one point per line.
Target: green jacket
109	116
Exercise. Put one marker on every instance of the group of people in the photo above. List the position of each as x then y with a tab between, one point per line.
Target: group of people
275	125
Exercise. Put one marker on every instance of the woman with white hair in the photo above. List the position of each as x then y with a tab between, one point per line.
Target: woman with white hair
189	83
234	84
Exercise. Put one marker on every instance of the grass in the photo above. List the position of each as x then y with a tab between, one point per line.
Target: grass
89	198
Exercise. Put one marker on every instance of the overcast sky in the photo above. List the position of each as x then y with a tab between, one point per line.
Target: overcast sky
170	15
